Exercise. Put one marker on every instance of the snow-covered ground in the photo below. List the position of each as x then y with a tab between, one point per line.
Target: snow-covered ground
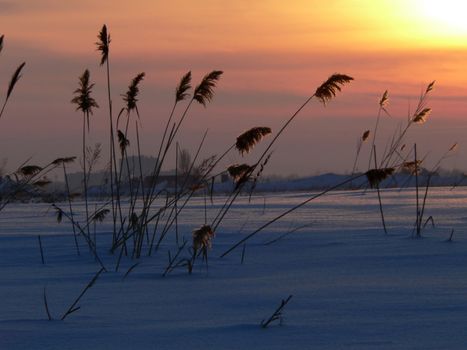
353	287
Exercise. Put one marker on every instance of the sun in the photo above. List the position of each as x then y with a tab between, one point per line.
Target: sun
447	17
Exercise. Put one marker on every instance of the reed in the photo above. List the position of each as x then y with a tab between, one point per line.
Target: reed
85	103
13	81
103	46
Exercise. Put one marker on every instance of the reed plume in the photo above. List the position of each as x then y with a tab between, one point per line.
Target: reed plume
182	88
122	141
384	101
103	44
85	103
375	176
421	116
247	140
14	79
204	92
202	238
100	215
361	140
240	172
365	135
66	160
330	87
131	95
430	86
413	167
83	98
29	170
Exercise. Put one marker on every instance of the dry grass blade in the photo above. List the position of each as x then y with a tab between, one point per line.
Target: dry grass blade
330	87
72	308
250	138
46	305
123	142
365	135
421	117
14	79
202	238
131	95
182	88
103	44
375	176
204	92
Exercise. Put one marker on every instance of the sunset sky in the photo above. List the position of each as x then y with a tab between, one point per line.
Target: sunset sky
273	53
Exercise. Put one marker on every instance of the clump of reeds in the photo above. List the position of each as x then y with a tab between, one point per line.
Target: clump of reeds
325	92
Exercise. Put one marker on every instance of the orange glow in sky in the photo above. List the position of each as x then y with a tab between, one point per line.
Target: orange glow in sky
274	54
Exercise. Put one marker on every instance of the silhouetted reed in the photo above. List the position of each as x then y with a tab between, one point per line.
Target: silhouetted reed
85	103
13	81
247	140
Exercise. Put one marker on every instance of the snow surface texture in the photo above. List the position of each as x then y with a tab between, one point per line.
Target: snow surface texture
352	286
